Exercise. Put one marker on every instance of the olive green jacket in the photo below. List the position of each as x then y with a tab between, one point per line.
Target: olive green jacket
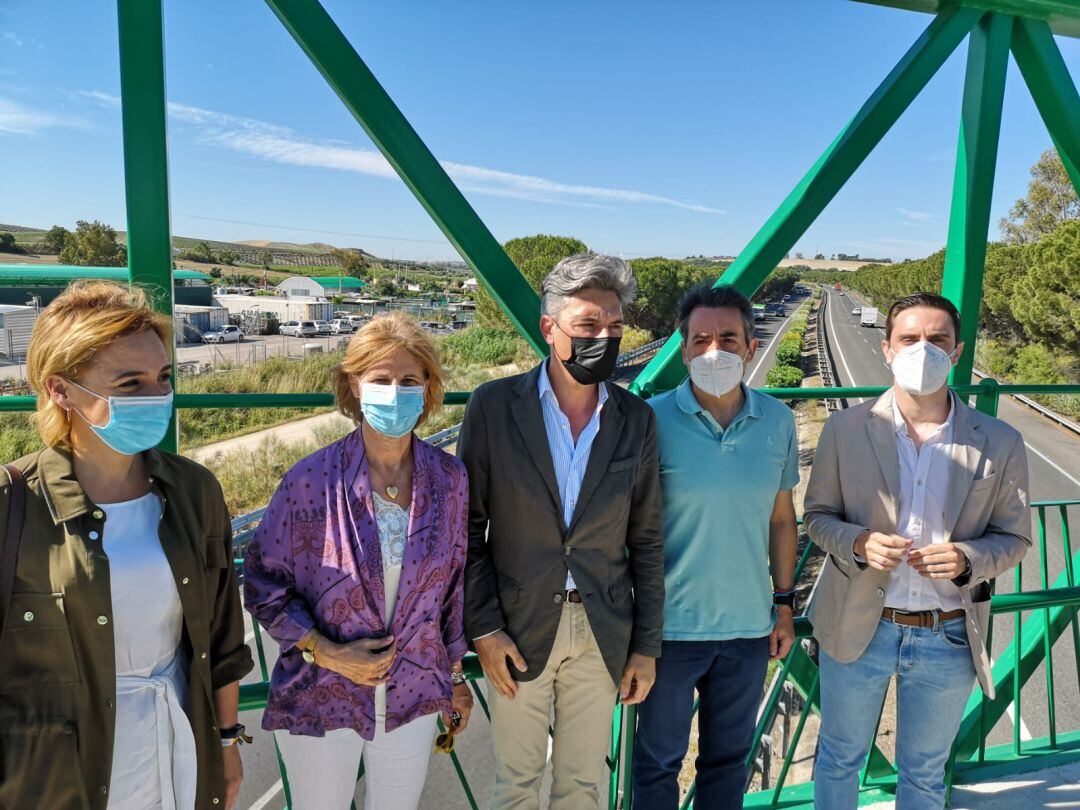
57	662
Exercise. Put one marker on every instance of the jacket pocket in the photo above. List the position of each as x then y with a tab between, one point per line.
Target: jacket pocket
37	641
621	589
983	483
39	765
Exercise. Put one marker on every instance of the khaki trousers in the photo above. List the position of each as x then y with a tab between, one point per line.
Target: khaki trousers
577	681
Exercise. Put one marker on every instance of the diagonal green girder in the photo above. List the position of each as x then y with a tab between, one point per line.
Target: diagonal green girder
828	175
973	185
1052	88
339	63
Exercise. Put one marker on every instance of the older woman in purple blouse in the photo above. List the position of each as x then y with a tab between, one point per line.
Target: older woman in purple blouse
356	570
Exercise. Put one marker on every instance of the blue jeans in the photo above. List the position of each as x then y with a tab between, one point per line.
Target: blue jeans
729	677
934	675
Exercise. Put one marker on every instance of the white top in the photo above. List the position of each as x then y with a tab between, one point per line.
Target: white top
393	523
924	484
154	765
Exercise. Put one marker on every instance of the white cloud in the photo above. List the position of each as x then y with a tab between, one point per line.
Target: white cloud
915	217
16	119
13	38
279	144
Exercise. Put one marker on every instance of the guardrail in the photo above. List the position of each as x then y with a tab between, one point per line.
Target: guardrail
635	355
825	365
1042	410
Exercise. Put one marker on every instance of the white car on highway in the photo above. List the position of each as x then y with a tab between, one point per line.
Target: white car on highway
224	334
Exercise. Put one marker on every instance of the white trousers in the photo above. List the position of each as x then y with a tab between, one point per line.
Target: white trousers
322	770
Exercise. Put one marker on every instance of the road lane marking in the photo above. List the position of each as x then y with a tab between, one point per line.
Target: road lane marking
839	351
775	337
267	797
1045	458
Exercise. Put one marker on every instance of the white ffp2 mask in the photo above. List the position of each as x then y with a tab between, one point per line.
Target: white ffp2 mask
921	368
716	372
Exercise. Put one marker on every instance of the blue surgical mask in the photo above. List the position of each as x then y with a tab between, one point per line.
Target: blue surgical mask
393	410
135	423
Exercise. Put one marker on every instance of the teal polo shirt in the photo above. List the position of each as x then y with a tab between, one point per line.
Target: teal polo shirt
719	487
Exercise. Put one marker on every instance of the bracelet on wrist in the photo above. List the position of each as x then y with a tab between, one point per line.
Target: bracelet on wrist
234	736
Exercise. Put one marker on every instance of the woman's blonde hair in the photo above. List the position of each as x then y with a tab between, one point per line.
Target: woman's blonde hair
374	343
82	320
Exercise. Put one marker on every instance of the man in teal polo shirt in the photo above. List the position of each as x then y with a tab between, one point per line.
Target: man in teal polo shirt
728	464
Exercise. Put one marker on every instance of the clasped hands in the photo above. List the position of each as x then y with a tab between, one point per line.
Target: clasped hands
886	551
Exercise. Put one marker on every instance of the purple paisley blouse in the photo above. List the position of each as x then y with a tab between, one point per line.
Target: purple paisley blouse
315	562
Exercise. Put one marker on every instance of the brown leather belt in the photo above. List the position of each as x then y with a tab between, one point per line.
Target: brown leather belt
919	618
573	596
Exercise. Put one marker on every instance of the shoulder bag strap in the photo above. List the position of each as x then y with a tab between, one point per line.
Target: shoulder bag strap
9	544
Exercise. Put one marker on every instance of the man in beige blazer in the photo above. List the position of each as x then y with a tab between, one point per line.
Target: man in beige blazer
919	501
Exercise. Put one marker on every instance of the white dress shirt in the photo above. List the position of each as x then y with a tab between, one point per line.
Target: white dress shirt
570	458
924	480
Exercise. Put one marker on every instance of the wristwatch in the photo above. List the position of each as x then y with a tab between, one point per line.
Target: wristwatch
234	736
308	650
784	598
458	678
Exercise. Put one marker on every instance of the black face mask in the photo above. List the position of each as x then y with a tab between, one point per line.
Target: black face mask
592	360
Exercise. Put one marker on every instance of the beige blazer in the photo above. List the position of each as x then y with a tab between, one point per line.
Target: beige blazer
854	486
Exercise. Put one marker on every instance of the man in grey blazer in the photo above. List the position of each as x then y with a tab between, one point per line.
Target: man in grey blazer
564	585
919	501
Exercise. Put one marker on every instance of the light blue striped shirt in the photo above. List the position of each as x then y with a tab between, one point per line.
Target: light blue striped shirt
570	460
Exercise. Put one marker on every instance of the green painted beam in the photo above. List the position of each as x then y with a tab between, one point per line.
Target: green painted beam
1052	88
828	175
973	183
146	159
357	87
1063	16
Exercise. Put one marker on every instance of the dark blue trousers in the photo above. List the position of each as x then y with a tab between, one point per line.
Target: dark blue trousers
729	677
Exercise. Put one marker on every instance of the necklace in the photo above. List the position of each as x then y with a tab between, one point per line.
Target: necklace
391	490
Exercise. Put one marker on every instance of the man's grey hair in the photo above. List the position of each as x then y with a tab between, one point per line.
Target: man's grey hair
586	271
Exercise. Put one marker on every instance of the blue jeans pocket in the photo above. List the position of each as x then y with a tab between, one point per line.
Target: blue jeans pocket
954	633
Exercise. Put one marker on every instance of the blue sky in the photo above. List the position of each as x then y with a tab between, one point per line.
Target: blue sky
670	128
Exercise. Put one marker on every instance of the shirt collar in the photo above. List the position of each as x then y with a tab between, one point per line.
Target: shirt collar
688	402
944	430
543	386
64	494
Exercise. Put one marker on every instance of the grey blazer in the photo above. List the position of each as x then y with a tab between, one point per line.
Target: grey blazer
854	486
519	548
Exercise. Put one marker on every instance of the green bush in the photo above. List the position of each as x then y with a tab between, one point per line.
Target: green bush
17	437
482	345
634	338
781	376
789	353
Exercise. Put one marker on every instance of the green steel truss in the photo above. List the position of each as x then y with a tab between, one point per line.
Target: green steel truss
994	28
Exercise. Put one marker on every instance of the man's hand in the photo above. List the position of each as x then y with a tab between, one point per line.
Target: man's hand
234	774
638	678
882	551
939	561
462	701
783	633
364	661
493	651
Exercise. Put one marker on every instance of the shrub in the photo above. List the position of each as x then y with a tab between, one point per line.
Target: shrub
781	376
634	338
482	345
789	353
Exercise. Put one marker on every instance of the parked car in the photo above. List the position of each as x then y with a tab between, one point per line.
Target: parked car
224	334
299	328
436	328
342	326
357	320
323	328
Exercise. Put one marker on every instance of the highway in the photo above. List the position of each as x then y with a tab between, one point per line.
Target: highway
1054	468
